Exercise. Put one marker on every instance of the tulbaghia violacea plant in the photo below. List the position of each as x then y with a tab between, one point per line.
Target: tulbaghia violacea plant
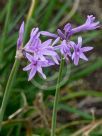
41	54
38	52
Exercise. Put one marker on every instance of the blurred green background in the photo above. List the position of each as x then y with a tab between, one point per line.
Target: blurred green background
29	108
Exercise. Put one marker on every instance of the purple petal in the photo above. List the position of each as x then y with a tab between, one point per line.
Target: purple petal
72	44
31	41
32	73
46	63
79	29
49	63
56	41
42	57
85	49
49	52
73	55
39	69
34	40
31	46
61	35
34	32
82	56
55	60
27	67
29	57
47	43
90	19
37	43
76	59
68	30
45	33
67	27
57	47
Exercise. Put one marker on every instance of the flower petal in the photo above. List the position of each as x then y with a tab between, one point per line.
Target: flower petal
55	60
39	69
85	49
61	35
32	73
29	57
45	33
76	59
46	43
28	67
67	27
34	32
72	44
49	52
56	41
82	56
73	55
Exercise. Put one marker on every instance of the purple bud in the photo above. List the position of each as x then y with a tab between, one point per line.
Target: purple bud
60	33
90	24
20	38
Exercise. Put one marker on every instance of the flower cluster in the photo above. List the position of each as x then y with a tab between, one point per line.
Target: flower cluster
44	54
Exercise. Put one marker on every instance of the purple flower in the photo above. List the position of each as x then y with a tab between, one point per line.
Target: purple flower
68	31
20	38
79	51
34	35
90	24
35	66
64	48
41	50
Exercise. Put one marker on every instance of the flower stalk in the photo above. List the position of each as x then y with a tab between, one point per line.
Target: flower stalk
54	114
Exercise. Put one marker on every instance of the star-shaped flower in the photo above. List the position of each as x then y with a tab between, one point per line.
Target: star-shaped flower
64	48
36	65
79	51
90	24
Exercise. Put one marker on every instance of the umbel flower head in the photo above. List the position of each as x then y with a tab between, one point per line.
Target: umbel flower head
45	54
41	50
39	54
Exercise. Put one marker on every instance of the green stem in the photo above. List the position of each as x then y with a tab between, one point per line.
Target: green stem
8	90
54	115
